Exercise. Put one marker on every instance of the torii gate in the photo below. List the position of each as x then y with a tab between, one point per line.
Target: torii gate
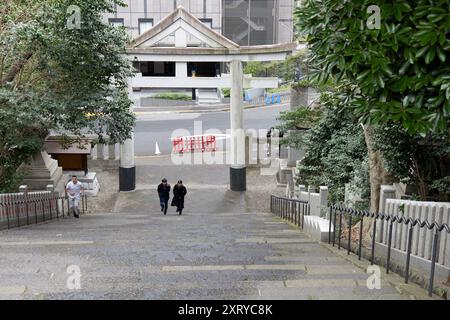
184	27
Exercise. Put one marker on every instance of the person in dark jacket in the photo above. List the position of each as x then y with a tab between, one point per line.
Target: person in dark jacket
164	194
179	191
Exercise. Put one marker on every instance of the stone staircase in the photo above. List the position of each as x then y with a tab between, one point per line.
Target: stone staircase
208	97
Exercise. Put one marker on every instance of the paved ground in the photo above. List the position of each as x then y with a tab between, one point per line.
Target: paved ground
223	247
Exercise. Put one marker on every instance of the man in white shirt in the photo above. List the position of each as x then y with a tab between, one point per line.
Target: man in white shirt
74	190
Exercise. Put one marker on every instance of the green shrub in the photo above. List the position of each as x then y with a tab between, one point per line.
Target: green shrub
226	92
280	89
172	96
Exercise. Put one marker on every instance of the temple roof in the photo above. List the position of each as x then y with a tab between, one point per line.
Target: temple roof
216	43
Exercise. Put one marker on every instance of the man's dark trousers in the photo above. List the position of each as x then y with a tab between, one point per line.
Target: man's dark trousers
164	202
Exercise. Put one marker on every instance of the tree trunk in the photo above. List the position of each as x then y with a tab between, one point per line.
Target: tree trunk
377	174
15	69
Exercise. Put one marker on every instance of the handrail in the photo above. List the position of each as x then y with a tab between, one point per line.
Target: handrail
340	210
290	199
42	208
394	218
295	210
292	210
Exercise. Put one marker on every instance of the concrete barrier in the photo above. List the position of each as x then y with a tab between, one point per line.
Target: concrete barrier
318	201
318	228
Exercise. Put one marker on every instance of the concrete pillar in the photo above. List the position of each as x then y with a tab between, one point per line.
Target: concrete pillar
238	170
127	168
23	189
323	193
386	192
100	152
301	188
181	69
290	185
112	152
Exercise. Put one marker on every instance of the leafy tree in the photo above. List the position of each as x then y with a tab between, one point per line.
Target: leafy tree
421	161
54	77
286	70
398	73
334	144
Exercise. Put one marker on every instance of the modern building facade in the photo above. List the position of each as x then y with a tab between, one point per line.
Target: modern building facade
245	22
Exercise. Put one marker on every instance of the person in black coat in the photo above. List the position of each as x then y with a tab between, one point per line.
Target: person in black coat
179	191
164	194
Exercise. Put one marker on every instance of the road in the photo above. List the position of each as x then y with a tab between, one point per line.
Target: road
159	127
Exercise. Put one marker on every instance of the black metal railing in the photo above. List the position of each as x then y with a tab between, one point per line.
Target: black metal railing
292	210
337	223
19	213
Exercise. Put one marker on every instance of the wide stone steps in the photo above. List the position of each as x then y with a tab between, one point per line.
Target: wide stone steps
199	255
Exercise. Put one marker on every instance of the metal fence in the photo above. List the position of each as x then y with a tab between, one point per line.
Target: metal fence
17	213
338	213
292	210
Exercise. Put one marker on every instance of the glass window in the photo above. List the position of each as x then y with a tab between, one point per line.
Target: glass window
207	22
145	25
116	21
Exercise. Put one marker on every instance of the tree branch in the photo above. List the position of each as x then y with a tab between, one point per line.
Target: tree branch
15	69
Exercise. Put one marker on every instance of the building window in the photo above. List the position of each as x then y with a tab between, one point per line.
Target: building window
145	25
203	69
116	22
207	22
155	68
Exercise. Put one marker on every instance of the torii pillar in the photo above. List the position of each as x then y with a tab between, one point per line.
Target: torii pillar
238	174
127	168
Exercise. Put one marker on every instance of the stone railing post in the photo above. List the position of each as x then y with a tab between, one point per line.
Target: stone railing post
100	152
23	189
289	184
323	194
111	151
386	192
301	188
311	189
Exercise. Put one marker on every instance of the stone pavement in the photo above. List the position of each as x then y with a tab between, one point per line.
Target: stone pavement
222	247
